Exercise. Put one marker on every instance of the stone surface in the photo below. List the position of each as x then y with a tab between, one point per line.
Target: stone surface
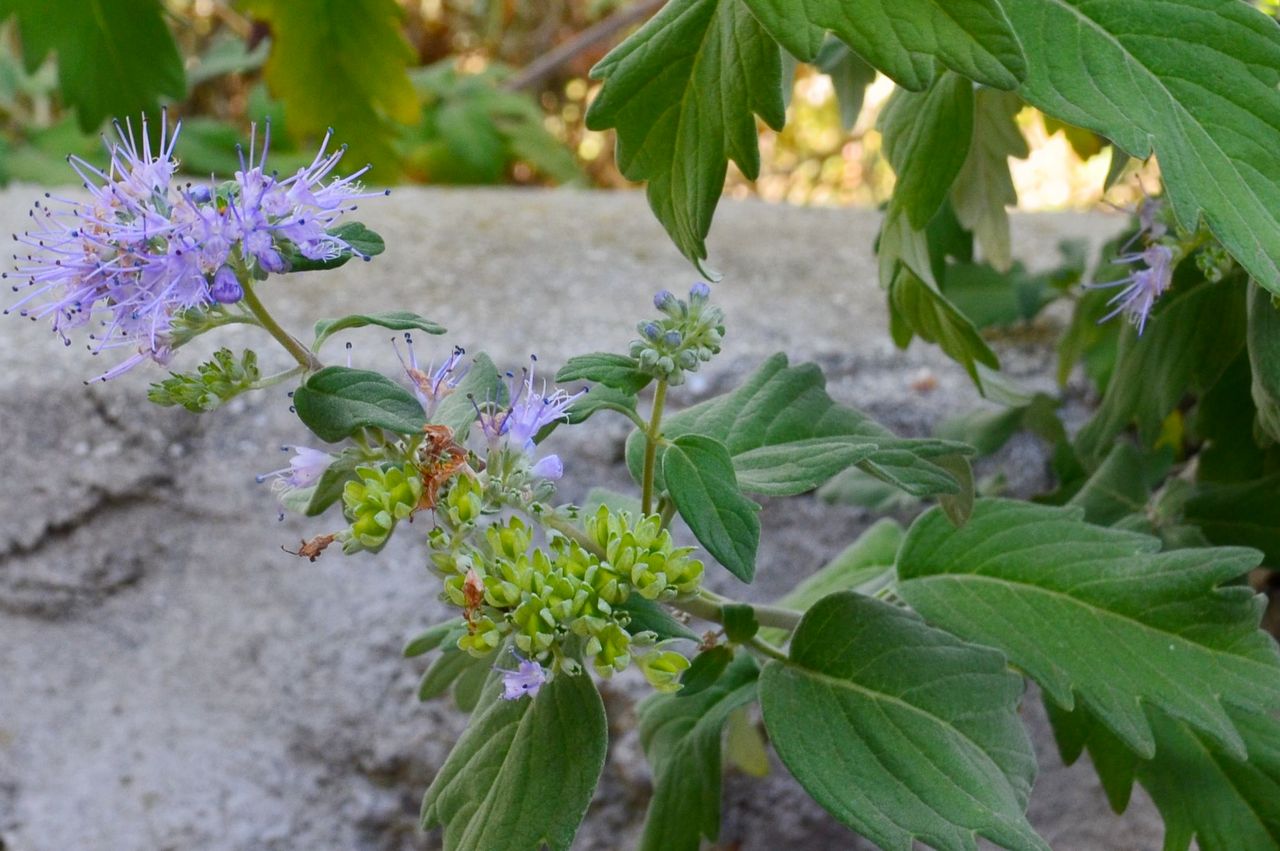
169	678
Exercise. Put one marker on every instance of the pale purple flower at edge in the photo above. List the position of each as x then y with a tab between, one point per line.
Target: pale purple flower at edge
528	412
305	468
527	679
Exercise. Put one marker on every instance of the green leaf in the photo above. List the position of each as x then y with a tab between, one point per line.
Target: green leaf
930	316
1062	598
900	730
1263	336
1121	485
984	187
481	384
1204	793
215	382
431	638
1190	341
739	622
850	76
787	436
926	137
904	38
700	479
620	372
115	59
445	670
861	489
681	92
704	671
1192	80
328	488
991	298
524	771
600	398
681	739
958	506
363	242
336	402
615	501
648	616
396	320
342	64
1240	513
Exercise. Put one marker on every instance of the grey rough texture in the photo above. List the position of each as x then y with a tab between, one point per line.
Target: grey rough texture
170	679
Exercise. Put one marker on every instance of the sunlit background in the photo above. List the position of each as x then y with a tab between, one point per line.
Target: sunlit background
478	103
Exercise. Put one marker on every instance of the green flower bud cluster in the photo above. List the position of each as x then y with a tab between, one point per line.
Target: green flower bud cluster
687	334
644	554
375	502
562	602
1214	261
213	383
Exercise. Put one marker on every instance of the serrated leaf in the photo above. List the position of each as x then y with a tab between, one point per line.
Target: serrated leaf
1063	598
621	372
1190	341
1192	80
114	59
336	402
481	384
850	76
900	730
396	320
681	739
926	138
984	187
330	72
524	771
699	476
681	93
905	39
991	298
796	437
1203	793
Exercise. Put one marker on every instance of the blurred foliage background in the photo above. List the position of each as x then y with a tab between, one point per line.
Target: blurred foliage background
431	91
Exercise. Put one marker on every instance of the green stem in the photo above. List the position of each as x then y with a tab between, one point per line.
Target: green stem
764	648
651	437
666	510
299	352
276	378
766	615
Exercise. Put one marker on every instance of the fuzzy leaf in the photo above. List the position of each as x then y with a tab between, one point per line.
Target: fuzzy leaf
699	476
395	320
1194	81
787	436
621	372
681	92
648	616
904	38
524	771
1098	615
336	402
342	64
115	59
850	76
681	739
900	730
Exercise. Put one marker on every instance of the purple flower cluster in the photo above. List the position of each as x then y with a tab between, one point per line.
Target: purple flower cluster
433	384
528	412
1140	289
143	249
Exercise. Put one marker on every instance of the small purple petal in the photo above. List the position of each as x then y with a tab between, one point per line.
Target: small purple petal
226	287
550	467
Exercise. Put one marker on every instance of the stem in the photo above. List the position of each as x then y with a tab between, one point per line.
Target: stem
300	353
666	510
766	615
276	378
651	446
764	648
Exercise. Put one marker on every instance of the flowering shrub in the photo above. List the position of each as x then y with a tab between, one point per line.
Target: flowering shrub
889	682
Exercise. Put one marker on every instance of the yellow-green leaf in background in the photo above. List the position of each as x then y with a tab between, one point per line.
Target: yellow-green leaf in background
342	64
